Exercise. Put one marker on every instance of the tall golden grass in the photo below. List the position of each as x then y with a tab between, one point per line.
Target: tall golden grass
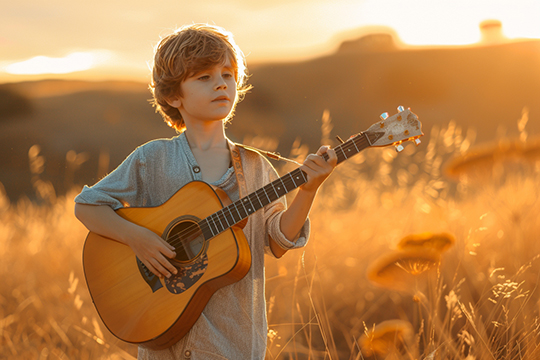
476	299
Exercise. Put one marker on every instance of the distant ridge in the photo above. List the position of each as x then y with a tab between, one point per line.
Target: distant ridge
371	42
53	87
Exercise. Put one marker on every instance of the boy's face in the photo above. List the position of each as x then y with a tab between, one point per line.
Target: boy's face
208	95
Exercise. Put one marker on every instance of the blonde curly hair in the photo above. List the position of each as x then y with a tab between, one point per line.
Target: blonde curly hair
188	50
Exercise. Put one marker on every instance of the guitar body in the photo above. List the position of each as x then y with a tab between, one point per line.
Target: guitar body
140	308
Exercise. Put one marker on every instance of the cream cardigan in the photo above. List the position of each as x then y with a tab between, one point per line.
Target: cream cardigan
233	324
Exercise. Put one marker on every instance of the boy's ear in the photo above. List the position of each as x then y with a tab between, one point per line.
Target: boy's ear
175	102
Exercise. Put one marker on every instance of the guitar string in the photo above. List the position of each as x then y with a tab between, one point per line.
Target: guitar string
188	234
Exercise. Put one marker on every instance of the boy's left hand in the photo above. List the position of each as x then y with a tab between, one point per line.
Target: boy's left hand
318	169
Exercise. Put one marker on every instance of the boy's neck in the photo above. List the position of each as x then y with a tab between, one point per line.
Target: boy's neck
206	137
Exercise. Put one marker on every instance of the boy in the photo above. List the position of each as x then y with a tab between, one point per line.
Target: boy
197	79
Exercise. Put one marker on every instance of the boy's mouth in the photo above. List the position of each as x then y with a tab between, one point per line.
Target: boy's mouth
221	98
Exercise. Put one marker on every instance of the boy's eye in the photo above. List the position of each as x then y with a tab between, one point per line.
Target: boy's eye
204	77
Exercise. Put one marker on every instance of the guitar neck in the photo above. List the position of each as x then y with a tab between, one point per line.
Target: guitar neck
244	207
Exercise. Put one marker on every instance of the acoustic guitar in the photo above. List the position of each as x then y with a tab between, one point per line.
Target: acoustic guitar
211	250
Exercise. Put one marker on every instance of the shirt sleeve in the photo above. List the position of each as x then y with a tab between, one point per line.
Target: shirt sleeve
121	188
273	214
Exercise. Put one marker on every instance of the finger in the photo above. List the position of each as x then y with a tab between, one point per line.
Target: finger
161	270
168	252
315	159
167	264
152	269
323	149
332	157
165	243
169	246
310	172
318	162
310	167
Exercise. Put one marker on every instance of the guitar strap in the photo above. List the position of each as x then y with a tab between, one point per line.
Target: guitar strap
237	163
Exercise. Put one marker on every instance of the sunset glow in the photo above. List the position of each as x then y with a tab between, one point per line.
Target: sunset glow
266	30
77	61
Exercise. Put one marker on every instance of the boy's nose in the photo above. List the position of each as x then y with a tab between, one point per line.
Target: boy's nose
220	83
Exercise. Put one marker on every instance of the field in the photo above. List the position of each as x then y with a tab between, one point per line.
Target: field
463	287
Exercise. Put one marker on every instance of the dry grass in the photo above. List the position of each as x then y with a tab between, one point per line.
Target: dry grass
481	302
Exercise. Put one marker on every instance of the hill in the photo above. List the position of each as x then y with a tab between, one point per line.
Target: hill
485	88
482	87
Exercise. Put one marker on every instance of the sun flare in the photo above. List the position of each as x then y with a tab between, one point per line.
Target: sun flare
76	61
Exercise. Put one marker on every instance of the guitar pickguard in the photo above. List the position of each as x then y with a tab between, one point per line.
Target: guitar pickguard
187	276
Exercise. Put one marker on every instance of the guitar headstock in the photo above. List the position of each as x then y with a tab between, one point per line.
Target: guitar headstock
395	129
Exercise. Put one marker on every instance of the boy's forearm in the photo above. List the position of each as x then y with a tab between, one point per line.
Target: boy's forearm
295	216
293	219
104	221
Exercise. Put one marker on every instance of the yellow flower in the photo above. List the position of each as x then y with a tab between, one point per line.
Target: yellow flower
400	270
439	242
483	161
388	337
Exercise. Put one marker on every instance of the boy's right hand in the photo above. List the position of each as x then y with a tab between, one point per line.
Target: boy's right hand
153	251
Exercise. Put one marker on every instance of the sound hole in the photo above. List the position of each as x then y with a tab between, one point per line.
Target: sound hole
187	238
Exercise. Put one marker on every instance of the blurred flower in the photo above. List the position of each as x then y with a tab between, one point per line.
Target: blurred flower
439	242
388	337
400	270
486	161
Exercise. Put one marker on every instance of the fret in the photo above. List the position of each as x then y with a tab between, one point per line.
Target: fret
214	233
254	194
343	153
300	180
220	217
250	207
262	199
354	143
287	183
242	210
213	216
234	211
349	149
273	194
304	178
230	220
280	189
265	193
290	174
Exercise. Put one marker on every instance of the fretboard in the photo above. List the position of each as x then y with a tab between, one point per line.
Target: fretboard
244	207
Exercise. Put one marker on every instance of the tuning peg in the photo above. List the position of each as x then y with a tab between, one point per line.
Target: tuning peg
384	116
399	148
400	108
417	142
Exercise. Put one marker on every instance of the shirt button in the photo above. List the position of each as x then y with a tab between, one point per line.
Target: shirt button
196	169
187	353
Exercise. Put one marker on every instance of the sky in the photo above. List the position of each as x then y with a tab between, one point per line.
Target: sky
114	39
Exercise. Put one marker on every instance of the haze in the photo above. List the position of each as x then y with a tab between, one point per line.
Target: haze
113	39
